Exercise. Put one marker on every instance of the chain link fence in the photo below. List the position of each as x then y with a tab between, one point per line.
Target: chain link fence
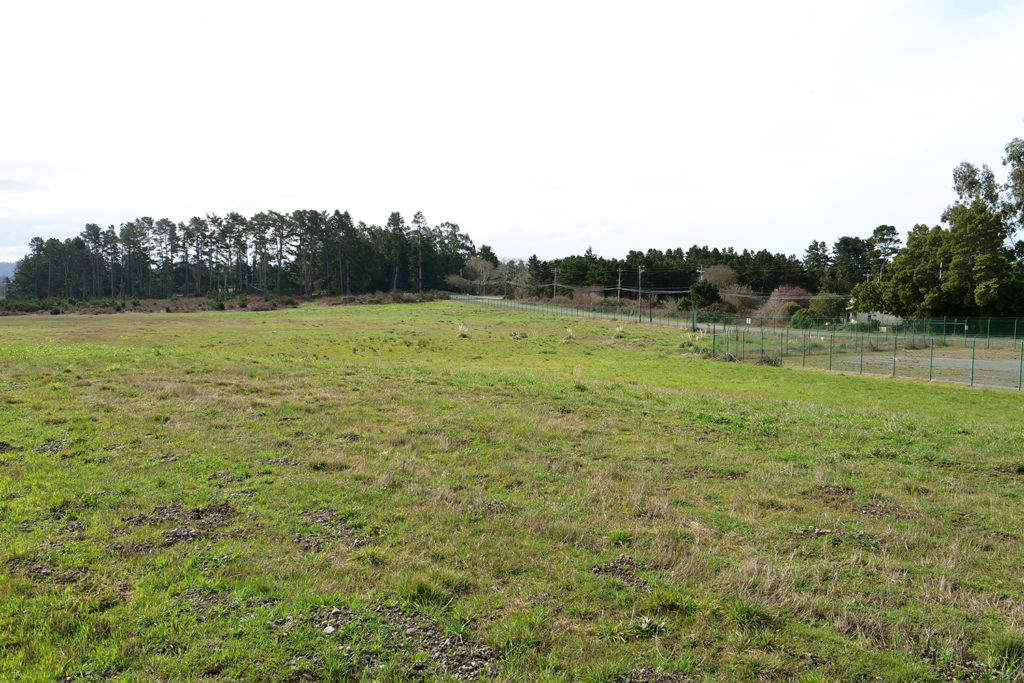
975	352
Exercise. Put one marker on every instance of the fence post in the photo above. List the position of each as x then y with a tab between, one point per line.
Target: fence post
743	348
931	358
895	339
988	335
862	354
1020	368
974	342
943	330
693	321
831	343
781	354
762	339
713	335
803	352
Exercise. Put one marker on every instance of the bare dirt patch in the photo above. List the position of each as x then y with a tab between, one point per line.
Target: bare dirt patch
835	491
177	535
130	548
42	571
54	447
287	462
209	517
202	602
336	529
696	471
454	655
880	510
623	568
224	477
836	536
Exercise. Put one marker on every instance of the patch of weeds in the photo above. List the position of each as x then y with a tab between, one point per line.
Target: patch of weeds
569	337
621	539
418	592
1006	655
523	630
369	556
620	332
644	627
463	332
745	614
668	601
692	342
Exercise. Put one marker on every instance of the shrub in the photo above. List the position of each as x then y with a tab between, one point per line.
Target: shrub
802	319
791	308
703	294
828	305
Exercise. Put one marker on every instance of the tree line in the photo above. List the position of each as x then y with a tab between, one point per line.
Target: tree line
972	266
304	252
969	266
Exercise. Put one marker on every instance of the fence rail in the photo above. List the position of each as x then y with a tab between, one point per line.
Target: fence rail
915	349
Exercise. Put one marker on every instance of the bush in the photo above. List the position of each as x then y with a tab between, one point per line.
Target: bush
721	308
828	305
703	294
791	308
802	319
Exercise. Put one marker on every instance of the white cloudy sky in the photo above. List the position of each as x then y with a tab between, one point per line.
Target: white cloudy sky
539	127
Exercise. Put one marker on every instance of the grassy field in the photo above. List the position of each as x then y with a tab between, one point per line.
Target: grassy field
439	490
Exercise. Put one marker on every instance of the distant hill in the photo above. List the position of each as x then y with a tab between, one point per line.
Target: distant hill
6	269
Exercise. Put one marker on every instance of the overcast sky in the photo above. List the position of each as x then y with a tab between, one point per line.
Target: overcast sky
538	127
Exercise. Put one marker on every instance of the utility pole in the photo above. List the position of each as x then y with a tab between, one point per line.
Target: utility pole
700	271
554	287
618	292
639	292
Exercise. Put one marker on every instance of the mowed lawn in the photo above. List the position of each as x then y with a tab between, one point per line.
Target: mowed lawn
439	490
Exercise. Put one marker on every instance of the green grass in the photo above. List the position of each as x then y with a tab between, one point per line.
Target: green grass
187	496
